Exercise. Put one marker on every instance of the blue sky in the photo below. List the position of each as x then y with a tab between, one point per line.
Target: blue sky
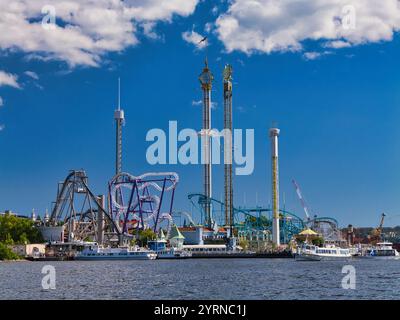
338	113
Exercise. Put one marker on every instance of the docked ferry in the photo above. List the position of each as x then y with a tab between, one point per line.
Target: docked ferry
382	249
96	252
163	252
309	252
173	253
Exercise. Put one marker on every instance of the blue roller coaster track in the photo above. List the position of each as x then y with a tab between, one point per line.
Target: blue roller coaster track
251	221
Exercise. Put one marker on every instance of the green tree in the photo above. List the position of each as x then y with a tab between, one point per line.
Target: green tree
318	241
146	235
9	241
23	238
18	230
6	253
244	243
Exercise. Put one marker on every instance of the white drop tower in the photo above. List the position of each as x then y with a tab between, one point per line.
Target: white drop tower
274	134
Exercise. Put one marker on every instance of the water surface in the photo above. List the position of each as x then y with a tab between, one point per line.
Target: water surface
202	279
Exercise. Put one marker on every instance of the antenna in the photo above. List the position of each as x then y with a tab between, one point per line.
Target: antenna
120	121
119	93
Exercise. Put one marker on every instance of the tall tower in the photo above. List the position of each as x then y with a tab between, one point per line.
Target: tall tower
228	185
206	79
274	134
119	121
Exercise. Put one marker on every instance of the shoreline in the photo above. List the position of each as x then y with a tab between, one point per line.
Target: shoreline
13	260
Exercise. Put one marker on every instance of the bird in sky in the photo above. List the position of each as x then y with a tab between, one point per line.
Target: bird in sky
202	40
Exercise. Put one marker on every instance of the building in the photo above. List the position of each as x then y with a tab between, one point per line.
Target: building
13	214
159	244
52	234
215	236
176	239
29	250
193	235
199	235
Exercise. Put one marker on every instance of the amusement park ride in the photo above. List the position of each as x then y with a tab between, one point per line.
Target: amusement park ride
146	201
138	203
141	202
326	226
134	203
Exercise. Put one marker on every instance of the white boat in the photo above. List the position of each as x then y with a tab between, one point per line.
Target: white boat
159	246
382	249
173	253
309	252
96	252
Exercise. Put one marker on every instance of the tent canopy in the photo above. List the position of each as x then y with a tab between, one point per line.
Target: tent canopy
308	232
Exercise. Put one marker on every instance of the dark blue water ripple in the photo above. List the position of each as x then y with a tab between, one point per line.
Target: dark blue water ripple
202	279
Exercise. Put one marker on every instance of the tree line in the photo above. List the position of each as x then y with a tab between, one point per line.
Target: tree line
15	230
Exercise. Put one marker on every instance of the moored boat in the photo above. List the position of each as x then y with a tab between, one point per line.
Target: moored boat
96	252
173	253
382	249
309	252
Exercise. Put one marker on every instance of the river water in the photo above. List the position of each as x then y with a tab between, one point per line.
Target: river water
202	279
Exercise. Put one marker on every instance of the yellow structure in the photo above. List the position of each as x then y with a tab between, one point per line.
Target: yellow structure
308	232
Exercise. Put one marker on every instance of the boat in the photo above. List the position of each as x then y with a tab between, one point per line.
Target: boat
174	250
382	249
96	252
173	253
159	246
309	252
219	251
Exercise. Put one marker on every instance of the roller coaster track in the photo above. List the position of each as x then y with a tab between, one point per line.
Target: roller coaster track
249	212
186	214
65	208
136	202
327	226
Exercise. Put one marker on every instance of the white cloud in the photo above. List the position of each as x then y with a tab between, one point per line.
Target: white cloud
148	30
2	126
195	38
282	25
1	102
241	109
152	10
214	10
85	29
312	55
8	79
197	103
208	27
338	44
32	74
